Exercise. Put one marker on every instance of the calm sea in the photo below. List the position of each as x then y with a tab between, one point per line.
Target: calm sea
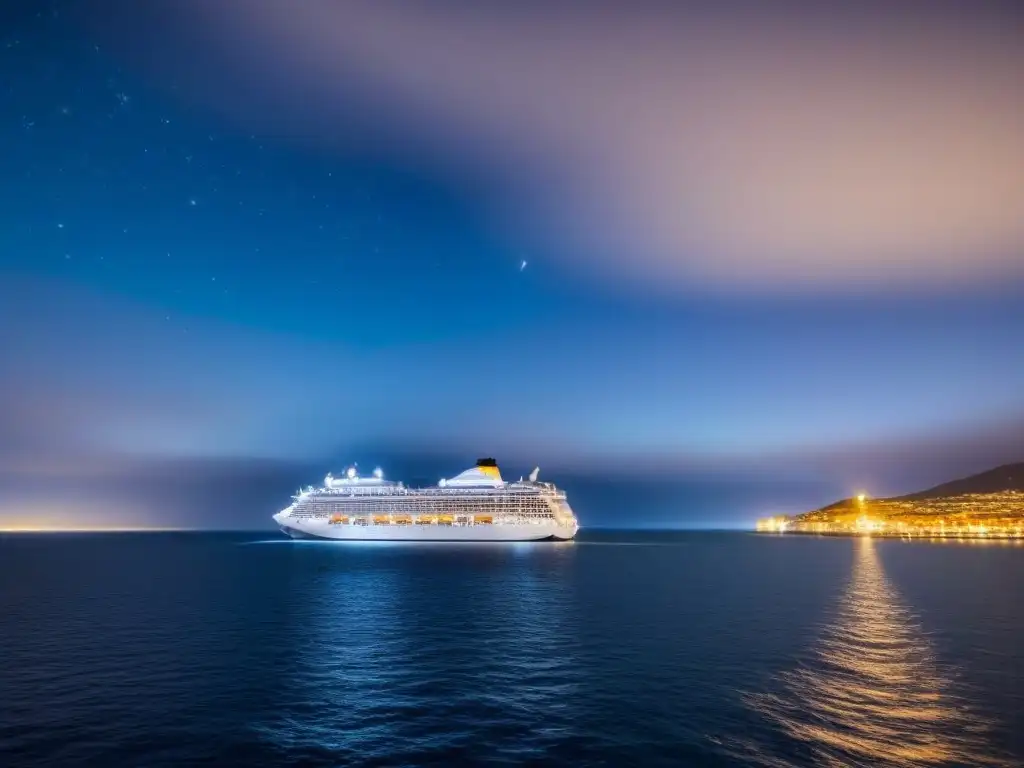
619	649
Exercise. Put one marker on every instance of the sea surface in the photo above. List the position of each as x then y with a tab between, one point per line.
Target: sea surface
618	649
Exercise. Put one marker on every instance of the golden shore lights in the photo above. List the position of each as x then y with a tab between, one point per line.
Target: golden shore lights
990	515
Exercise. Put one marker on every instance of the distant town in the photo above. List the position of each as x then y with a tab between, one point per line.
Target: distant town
989	505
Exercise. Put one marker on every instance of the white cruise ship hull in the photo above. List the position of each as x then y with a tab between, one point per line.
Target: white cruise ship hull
314	528
475	505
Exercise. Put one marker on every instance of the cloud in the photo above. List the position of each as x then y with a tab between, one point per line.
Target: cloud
135	384
644	490
734	150
894	465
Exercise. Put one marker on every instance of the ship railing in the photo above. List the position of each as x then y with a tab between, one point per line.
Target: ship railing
487	492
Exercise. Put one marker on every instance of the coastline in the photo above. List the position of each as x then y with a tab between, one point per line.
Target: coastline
907	535
985	506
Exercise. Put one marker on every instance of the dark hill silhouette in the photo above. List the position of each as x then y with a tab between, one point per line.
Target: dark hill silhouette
1008	477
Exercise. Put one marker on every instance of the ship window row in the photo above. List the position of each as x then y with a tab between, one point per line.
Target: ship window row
355	514
404	505
356	507
385	509
468	503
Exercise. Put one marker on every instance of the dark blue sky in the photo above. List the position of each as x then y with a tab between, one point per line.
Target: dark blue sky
243	243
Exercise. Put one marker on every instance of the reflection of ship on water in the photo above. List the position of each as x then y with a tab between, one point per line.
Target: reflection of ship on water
872	692
410	655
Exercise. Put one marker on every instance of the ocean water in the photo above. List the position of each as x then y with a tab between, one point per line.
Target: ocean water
619	649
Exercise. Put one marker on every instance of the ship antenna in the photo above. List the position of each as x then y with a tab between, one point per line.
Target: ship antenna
533	475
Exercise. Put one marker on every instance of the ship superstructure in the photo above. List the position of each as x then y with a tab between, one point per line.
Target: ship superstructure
476	505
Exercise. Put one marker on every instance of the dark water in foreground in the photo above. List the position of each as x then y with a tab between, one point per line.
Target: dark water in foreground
618	649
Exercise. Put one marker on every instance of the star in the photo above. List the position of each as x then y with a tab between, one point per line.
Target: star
522	265
192	202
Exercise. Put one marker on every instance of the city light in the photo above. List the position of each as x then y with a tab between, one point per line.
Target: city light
989	515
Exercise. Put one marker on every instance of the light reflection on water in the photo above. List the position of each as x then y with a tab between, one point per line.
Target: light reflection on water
872	692
411	657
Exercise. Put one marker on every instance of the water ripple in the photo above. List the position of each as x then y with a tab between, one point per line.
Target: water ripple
618	651
872	692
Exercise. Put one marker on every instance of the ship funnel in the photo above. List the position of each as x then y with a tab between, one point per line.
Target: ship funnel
489	467
534	474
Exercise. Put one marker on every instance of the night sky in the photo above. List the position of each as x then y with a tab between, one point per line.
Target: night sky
751	262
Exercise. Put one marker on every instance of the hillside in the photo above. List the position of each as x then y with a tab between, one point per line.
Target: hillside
990	503
1009	477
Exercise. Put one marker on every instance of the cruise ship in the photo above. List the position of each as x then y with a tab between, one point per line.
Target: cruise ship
476	505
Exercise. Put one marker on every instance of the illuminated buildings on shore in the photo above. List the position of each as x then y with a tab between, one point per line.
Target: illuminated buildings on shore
990	515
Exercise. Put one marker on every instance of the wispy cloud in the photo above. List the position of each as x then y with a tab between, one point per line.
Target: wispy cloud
738	150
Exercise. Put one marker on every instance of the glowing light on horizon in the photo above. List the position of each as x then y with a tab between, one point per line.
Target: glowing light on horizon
35	528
